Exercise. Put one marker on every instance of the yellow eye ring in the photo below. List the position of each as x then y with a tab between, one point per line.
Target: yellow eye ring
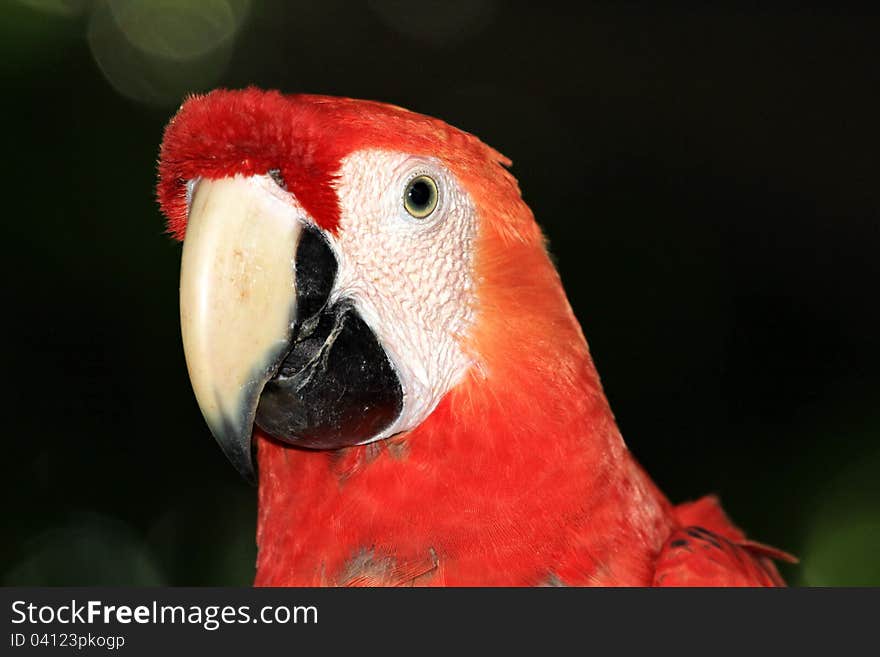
421	196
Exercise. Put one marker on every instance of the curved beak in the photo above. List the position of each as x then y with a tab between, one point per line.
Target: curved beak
265	342
238	301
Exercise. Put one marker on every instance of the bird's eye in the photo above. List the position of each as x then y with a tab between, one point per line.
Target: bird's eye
420	197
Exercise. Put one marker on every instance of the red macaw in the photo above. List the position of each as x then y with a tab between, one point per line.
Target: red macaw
368	304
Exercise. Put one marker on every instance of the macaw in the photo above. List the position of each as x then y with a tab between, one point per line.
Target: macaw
375	333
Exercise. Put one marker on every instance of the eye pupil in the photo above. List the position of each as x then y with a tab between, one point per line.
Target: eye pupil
419	194
420	197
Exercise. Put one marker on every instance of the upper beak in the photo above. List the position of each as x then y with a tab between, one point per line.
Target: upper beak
238	301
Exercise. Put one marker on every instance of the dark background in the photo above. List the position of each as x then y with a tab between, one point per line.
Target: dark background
708	179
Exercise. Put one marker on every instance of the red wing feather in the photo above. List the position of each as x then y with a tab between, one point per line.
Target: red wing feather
708	550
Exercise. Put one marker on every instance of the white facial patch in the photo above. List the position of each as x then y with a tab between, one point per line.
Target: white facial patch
410	278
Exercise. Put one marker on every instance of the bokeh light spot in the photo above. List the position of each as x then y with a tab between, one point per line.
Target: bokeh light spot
87	550
158	51
179	30
59	7
843	541
34	34
843	551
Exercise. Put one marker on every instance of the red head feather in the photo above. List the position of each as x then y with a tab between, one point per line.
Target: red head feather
251	132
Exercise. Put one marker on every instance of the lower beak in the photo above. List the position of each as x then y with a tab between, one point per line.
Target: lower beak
238	301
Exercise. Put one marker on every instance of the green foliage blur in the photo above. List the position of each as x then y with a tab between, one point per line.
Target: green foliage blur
707	177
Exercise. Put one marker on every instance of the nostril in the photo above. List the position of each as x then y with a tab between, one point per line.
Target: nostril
275	174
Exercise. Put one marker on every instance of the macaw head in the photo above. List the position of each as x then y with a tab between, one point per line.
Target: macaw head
346	265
